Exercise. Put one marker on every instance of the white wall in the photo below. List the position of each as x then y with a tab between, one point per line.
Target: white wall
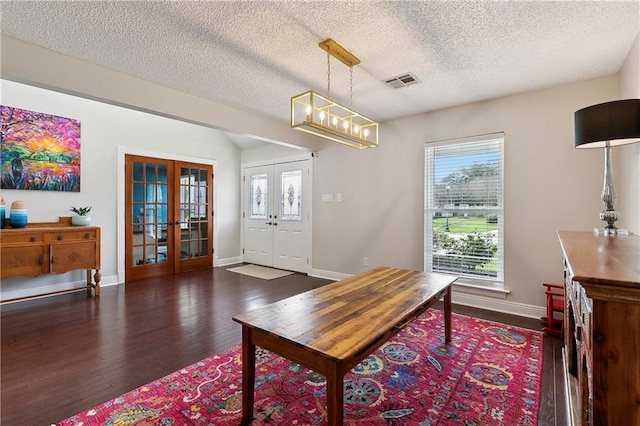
627	158
105	128
549	186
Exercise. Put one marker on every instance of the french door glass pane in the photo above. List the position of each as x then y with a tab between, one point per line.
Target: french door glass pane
259	207
162	204
291	196
149	213
138	172
193	213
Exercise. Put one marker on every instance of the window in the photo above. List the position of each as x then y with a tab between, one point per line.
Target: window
464	210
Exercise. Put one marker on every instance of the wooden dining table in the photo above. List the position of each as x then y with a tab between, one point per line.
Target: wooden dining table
333	328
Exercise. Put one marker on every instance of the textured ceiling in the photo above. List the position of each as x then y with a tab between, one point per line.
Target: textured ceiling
256	55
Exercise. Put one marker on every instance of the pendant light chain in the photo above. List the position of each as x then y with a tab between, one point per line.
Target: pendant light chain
328	75
351	87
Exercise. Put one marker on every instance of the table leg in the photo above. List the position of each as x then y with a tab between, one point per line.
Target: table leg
248	375
447	315
335	396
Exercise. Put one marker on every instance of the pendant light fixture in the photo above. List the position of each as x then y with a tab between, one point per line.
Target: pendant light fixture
321	116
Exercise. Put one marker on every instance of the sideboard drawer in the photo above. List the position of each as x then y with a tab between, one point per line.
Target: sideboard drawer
22	237
89	234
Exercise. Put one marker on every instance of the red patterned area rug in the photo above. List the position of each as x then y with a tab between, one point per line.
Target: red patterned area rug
488	375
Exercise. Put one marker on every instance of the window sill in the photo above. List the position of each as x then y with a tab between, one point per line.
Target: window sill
483	290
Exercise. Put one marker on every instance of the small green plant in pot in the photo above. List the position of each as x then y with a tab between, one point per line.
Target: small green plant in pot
82	218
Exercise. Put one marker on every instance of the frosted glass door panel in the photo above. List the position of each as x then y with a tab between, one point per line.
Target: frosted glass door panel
258	192
291	196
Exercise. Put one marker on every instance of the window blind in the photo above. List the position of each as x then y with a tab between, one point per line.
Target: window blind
464	207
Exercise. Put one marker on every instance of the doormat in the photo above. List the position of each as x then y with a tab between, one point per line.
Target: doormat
260	272
488	375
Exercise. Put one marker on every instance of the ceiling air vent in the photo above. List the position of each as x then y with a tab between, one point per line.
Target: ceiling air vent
403	80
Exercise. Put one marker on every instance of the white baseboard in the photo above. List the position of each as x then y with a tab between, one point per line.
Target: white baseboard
229	261
328	275
498	305
35	292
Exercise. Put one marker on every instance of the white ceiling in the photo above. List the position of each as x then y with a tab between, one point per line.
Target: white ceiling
257	54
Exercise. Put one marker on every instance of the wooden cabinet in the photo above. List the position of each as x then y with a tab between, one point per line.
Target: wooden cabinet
51	247
602	328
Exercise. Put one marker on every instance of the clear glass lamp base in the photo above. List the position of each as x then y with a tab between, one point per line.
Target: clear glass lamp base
608	231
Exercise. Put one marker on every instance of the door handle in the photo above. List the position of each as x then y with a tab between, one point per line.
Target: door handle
275	223
268	223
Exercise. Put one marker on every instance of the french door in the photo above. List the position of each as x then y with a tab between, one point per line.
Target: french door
168	217
277	215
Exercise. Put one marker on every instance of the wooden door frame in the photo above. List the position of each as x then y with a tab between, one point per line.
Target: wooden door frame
121	202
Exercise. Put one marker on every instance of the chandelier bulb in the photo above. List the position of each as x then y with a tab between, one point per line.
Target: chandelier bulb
308	109
335	121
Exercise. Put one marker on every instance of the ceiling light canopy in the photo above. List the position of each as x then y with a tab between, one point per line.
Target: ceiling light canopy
328	119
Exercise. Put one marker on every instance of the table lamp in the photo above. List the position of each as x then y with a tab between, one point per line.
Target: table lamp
604	126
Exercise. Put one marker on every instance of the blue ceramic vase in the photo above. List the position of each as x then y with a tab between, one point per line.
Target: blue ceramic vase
19	215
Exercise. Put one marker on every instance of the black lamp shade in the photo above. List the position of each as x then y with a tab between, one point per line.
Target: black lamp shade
616	122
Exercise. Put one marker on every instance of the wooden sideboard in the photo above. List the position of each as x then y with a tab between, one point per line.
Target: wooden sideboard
602	328
51	247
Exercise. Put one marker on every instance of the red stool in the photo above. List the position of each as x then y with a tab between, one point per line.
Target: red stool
555	303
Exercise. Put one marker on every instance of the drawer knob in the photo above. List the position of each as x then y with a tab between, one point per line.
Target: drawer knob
32	239
53	259
40	260
59	237
86	236
598	337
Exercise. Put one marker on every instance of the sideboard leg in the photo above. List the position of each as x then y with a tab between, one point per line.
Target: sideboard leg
89	283
97	277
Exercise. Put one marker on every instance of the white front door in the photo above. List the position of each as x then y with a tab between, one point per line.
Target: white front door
277	215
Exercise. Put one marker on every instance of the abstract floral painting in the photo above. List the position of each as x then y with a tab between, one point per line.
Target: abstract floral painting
39	151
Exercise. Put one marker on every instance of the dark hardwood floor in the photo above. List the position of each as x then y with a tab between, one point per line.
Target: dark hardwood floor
61	355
